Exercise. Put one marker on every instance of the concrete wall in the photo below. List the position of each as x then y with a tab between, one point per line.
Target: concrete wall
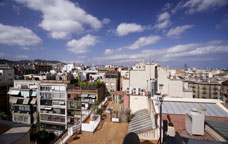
125	84
126	101
175	88
163	74
141	78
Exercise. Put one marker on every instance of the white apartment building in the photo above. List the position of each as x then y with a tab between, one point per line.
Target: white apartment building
140	76
53	106
166	81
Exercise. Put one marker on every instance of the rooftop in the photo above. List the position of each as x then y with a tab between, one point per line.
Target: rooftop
212	109
12	132
140	122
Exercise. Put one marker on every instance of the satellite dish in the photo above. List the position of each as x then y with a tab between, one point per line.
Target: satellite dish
131	138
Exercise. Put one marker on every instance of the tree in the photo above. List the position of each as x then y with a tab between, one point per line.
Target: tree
38	122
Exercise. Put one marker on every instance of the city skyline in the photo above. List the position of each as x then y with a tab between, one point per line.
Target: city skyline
116	32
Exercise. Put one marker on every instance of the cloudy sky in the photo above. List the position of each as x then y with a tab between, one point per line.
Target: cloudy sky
120	32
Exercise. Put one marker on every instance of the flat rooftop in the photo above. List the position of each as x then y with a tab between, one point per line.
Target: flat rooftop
107	132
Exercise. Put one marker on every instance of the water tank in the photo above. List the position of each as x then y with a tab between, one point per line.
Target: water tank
194	122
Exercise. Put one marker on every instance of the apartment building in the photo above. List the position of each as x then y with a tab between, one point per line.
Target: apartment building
43	68
112	81
224	92
80	101
52	105
23	101
142	76
6	74
206	90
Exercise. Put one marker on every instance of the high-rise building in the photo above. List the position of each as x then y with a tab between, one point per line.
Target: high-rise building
52	105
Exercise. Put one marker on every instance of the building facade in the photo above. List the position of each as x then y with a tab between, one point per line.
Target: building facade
80	101
205	90
53	106
224	92
111	81
23	101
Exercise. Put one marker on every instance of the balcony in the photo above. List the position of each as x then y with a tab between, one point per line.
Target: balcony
91	101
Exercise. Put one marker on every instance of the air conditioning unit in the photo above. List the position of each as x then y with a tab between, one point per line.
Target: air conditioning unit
194	122
142	93
129	91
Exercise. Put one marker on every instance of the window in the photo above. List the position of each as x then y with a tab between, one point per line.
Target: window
160	86
68	95
106	84
112	84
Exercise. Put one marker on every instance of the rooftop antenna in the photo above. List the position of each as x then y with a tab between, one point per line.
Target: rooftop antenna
93	63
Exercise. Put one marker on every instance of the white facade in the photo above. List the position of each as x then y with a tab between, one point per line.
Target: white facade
138	103
163	80
178	88
141	76
69	67
53	106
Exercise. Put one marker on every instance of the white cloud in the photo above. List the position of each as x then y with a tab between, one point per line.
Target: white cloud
167	6
81	45
163	21
163	16
17	35
61	18
144	41
190	52
177	31
126	28
194	6
24	48
22	57
106	21
108	51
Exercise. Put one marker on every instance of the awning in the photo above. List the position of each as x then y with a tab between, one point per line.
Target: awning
84	95
33	101
92	96
26	101
25	93
11	99
33	93
14	92
47	108
14	100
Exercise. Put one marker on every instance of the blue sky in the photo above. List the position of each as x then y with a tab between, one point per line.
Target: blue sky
120	32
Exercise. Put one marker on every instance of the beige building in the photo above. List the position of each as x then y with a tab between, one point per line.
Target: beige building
111	79
140	76
224	92
205	90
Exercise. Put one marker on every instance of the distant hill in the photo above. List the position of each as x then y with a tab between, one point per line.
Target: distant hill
25	62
